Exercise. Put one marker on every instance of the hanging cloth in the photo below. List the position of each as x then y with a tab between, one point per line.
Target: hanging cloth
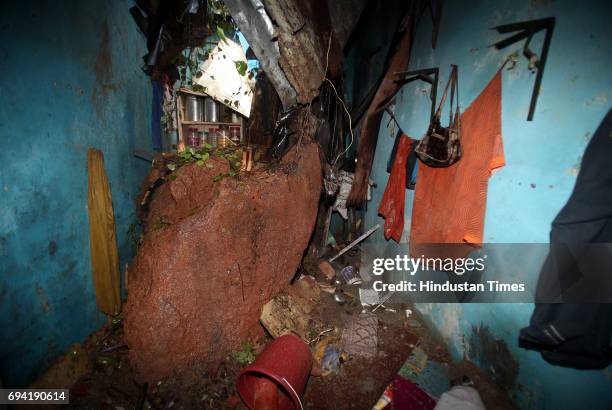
449	203
411	162
392	204
578	332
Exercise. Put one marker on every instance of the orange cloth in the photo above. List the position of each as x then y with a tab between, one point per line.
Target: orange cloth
449	203
392	204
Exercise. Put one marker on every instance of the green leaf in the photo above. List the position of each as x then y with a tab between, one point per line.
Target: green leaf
221	33
171	166
198	88
241	67
200	162
172	177
209	165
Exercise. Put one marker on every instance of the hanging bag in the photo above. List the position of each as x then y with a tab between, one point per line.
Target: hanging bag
441	146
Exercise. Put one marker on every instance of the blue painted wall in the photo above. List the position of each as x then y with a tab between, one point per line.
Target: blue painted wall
71	80
543	158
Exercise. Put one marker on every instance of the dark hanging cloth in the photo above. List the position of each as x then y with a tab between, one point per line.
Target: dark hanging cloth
411	162
156	113
577	334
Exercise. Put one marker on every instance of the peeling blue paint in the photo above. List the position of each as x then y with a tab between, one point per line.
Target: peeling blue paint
542	157
71	80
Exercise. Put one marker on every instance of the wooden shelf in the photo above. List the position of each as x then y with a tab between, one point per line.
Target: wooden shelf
188	91
210	123
182	124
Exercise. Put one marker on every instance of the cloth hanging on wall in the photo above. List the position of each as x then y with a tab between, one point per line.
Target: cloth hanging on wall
392	204
449	203
411	162
156	114
578	334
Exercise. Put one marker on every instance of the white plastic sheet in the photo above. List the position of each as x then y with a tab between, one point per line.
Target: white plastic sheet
222	80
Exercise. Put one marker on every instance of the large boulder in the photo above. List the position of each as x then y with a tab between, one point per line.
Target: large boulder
213	254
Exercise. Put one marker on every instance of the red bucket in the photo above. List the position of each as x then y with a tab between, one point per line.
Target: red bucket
278	377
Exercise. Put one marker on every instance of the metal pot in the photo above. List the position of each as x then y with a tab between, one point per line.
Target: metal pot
211	110
194	108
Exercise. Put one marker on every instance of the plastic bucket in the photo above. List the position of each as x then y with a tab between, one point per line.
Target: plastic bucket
286	362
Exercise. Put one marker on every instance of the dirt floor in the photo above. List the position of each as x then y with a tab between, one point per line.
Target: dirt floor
107	380
357	385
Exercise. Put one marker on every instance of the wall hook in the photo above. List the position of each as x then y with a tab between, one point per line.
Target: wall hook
429	75
526	30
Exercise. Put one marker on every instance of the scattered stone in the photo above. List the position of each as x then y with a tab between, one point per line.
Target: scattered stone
294	311
327	269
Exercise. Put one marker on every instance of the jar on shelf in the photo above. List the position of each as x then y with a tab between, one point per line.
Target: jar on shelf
234	133
204	138
212	137
193	138
222	136
194	108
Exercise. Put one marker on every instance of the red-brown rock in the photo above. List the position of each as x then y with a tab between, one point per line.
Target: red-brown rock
213	255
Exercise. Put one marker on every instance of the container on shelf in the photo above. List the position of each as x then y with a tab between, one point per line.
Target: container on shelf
212	137
194	108
193	138
211	110
234	133
205	138
222	136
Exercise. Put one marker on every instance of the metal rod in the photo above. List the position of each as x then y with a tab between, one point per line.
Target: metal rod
355	242
541	64
528	29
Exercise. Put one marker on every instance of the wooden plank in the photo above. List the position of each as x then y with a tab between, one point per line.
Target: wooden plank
102	237
213	124
184	90
180	146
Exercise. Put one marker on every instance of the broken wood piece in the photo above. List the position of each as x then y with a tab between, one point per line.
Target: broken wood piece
102	237
293	311
287	314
